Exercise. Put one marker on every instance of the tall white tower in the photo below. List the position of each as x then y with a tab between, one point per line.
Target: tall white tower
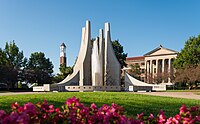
63	55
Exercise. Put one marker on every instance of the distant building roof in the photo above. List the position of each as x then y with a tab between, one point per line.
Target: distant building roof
158	48
63	45
135	58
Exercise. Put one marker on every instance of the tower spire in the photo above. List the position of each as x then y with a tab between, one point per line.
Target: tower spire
63	55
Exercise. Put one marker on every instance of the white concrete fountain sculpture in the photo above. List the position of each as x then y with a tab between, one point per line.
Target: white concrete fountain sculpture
97	68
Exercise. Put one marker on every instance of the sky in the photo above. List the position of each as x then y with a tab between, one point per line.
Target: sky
139	25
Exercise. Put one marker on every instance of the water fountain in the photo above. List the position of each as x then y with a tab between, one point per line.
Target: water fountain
97	68
96	71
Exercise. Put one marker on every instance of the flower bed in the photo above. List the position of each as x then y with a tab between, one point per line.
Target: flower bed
75	112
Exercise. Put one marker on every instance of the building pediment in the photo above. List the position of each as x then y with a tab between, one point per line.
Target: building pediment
161	51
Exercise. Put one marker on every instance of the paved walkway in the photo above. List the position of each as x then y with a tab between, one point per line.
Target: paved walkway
188	95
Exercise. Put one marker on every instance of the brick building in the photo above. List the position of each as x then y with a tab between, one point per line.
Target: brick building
155	64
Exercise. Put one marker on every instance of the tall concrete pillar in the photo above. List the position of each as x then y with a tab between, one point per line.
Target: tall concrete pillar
85	77
112	65
101	56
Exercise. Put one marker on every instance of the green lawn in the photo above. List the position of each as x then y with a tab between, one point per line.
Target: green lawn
133	103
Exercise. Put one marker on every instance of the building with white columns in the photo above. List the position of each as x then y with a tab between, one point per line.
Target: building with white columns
156	65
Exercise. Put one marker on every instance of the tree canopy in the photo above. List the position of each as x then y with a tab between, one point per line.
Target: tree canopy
12	61
119	52
39	69
64	72
188	77
135	71
187	64
189	55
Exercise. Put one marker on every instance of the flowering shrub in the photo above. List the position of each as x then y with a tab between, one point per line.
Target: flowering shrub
74	112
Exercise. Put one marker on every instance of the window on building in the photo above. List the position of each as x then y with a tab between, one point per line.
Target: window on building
142	64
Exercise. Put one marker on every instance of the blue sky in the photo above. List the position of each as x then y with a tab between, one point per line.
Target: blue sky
139	25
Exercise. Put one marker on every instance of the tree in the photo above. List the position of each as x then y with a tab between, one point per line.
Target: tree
135	71
65	71
189	76
189	55
119	52
39	69
187	63
12	62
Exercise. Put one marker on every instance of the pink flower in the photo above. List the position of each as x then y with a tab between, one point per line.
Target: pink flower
198	117
44	106
57	110
44	116
51	109
76	113
151	116
14	105
30	109
84	111
161	117
169	120
23	119
29	106
172	121
183	109
20	109
177	117
105	108
13	117
175	121
71	102
112	109
194	108
2	112
140	116
186	121
93	106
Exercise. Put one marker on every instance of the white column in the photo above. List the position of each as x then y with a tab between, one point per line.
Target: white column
163	65
169	66
156	66
156	69
169	70
153	72
150	73
147	71
150	66
163	68
145	68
